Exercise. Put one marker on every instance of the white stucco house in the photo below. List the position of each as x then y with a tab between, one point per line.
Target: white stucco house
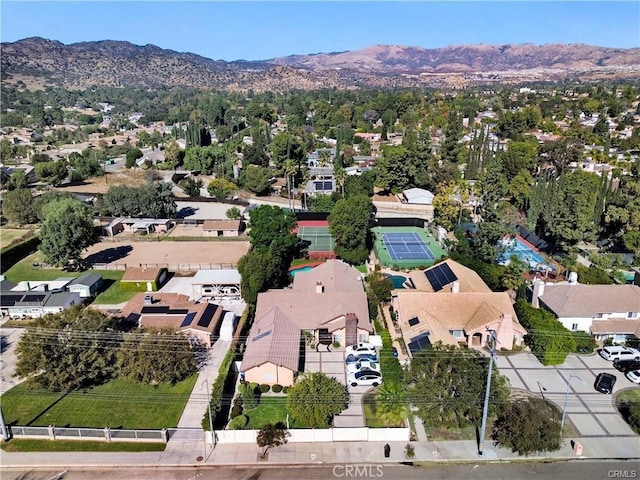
605	311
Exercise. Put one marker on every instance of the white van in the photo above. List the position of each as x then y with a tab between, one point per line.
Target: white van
619	353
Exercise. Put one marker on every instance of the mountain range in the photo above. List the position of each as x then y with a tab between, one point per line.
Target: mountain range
38	62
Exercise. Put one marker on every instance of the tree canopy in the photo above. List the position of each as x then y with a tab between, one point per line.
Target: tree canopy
349	226
66	231
447	386
315	399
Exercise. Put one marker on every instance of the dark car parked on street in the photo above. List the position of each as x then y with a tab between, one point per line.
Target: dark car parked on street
625	366
604	382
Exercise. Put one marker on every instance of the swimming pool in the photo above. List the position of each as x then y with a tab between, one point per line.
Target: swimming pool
301	269
524	252
397	280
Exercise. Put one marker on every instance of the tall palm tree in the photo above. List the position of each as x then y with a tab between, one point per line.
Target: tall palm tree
290	169
341	175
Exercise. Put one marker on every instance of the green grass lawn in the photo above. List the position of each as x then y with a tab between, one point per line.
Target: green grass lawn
116	404
624	400
372	420
113	293
8	235
31	445
270	410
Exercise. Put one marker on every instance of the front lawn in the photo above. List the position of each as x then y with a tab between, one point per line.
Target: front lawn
116	404
111	291
373	419
272	409
625	401
33	445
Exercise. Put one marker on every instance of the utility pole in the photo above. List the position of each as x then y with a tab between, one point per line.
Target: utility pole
488	391
3	427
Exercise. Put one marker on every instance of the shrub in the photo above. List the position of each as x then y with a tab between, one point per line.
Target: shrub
585	343
335	344
237	401
236	411
264	388
276	388
409	450
238	423
249	397
285	390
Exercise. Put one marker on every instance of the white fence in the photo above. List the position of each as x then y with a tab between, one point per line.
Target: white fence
94	434
361	434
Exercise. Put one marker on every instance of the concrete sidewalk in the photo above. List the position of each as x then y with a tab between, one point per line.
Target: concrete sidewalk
194	453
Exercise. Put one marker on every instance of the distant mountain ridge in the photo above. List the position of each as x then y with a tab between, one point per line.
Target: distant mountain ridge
41	61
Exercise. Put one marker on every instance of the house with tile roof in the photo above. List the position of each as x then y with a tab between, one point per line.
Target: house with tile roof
605	311
452	304
176	312
325	304
455	318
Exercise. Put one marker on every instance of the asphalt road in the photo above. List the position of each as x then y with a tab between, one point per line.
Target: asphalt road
583	469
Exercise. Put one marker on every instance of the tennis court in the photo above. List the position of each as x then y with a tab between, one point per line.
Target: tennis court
406	247
319	237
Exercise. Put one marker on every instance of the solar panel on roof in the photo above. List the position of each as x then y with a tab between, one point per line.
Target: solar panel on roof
439	276
421	342
188	319
33	298
414	321
261	335
207	315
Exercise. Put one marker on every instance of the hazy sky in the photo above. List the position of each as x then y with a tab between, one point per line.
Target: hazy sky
260	30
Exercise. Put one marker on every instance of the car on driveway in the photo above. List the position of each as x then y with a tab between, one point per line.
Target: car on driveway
633	375
604	382
353	357
364	377
616	352
625	366
363	365
361	348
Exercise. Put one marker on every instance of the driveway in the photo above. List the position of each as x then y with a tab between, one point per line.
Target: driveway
333	365
592	413
9	338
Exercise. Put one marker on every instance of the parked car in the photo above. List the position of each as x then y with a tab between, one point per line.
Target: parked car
394	350
363	365
626	365
633	375
616	352
604	382
361	348
356	357
364	377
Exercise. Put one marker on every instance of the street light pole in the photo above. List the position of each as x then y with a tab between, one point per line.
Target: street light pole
566	399
206	382
488	391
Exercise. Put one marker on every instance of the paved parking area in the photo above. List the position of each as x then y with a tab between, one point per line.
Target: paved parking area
591	412
333	364
9	338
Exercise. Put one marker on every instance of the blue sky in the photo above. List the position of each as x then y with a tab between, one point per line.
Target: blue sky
260	30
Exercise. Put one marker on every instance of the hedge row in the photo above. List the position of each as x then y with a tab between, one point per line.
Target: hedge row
389	365
13	253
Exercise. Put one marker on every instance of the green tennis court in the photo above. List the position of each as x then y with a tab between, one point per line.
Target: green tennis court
406	247
319	237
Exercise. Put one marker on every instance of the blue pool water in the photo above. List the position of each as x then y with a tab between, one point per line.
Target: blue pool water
523	252
397	280
302	269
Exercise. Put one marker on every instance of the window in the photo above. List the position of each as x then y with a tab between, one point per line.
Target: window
456	333
599	315
363	337
337	338
632	314
574	327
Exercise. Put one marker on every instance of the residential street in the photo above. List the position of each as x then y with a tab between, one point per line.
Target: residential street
586	469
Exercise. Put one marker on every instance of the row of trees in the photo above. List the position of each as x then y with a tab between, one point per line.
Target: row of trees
81	347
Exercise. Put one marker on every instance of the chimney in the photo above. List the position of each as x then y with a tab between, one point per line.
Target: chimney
455	287
319	287
538	291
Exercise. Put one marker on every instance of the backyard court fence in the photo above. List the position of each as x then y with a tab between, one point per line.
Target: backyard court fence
172	267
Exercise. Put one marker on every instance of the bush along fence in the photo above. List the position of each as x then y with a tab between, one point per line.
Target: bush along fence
98	434
15	252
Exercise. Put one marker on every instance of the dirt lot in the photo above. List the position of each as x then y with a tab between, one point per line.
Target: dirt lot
150	252
132	177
